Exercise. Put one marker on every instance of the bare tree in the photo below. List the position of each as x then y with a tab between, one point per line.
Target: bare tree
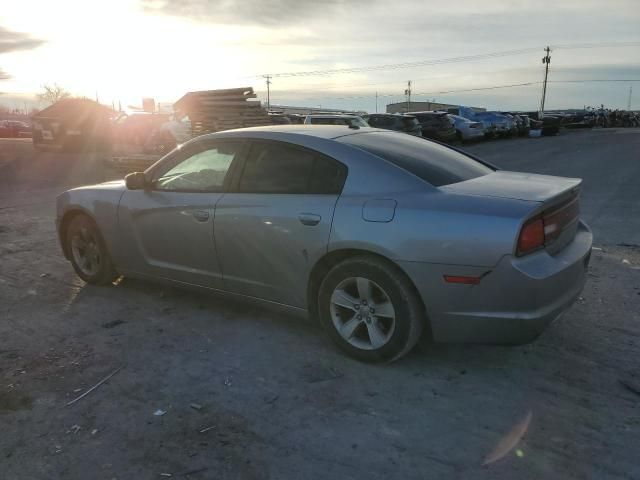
53	93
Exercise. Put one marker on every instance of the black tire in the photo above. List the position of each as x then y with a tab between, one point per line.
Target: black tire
102	271
409	311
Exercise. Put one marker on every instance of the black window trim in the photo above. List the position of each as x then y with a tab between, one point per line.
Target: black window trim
239	169
188	150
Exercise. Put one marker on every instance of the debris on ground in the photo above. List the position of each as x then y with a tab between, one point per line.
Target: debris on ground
630	385
227	382
196	406
313	373
206	429
159	413
75	429
113	323
192	472
95	386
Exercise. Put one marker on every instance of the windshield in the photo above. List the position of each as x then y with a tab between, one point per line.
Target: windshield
434	163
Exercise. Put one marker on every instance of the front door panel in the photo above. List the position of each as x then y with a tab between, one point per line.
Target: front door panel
171	235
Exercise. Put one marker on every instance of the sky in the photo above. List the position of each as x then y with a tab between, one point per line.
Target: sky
123	50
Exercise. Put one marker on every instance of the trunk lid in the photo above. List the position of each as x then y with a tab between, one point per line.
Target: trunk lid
519	186
557	200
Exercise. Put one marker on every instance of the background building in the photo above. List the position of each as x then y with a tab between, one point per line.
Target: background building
401	107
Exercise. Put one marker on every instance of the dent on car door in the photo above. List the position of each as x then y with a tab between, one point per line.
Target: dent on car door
167	229
275	223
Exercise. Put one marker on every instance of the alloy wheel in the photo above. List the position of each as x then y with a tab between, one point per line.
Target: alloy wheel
362	313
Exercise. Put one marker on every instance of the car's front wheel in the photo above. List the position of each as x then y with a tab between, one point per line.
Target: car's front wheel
88	252
370	309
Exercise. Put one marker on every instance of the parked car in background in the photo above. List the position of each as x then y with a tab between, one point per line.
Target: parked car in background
168	135
295	118
14	129
549	124
499	123
73	125
436	125
399	123
279	119
378	234
467	130
512	123
524	124
137	128
340	119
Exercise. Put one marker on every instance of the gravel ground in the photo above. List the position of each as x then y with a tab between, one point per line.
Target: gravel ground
252	394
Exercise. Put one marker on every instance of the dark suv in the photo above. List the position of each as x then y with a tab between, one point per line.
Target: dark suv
400	123
436	125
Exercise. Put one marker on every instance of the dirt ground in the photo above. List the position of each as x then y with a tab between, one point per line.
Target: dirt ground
251	394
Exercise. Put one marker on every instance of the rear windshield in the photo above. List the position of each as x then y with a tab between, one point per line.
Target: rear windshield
355	121
432	162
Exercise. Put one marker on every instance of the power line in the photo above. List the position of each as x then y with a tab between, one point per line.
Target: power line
467	58
395	66
477	89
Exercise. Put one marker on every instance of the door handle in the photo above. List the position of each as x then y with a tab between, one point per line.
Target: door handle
201	215
309	219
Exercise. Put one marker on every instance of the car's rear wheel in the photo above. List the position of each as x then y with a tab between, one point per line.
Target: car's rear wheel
88	252
370	309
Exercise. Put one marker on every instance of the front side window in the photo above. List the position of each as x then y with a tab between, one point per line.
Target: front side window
279	168
203	171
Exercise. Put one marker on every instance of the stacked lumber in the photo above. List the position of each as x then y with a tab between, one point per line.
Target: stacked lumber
215	110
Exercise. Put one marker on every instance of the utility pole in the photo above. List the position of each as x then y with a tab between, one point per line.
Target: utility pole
630	92
546	60
407	92
268	77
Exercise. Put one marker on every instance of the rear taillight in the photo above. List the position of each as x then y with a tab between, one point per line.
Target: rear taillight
544	229
531	236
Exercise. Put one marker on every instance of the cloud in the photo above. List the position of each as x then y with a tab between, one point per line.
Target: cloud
13	41
258	12
4	75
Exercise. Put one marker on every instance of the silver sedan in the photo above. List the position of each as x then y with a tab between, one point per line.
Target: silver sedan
378	234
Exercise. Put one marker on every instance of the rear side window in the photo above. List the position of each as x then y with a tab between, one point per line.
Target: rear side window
434	163
273	167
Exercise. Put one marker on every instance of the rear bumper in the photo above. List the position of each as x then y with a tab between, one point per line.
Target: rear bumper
513	303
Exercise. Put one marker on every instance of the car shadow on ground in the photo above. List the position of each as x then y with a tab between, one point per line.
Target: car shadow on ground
140	297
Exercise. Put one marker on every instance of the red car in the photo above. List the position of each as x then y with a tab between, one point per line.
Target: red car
14	129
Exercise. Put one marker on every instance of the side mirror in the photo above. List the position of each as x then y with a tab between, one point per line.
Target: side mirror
136	181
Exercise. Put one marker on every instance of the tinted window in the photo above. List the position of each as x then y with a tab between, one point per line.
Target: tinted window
279	168
434	163
411	122
381	122
202	171
356	121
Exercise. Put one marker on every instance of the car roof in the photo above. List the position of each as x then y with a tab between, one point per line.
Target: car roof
333	115
394	115
320	131
429	112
